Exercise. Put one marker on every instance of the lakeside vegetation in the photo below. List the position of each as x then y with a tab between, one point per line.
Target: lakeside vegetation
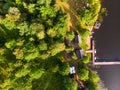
32	49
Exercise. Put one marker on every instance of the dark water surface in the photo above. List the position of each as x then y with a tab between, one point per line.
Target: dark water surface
108	44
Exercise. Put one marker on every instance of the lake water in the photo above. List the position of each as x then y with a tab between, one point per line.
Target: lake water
108	44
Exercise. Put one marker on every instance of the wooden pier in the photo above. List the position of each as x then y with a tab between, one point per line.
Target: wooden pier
104	61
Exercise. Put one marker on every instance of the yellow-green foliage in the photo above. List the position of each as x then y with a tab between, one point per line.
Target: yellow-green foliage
83	74
64	69
32	36
93	76
86	59
90	15
30	31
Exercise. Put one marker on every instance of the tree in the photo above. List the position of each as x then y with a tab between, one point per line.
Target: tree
13	14
69	84
64	69
19	54
10	44
70	35
23	29
38	30
36	73
47	12
61	25
51	32
83	74
18	2
90	15
42	46
85	33
30	52
33	33
46	2
5	7
22	72
54	48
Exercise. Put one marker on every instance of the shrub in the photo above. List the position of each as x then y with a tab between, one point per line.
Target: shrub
92	86
69	84
83	74
86	59
93	76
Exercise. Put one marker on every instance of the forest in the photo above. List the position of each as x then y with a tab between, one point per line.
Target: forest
32	44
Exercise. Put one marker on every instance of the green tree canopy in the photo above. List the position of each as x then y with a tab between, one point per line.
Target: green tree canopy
83	74
32	37
69	84
64	69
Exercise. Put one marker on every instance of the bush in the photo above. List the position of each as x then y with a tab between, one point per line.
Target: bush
69	84
86	59
93	76
83	74
92	86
